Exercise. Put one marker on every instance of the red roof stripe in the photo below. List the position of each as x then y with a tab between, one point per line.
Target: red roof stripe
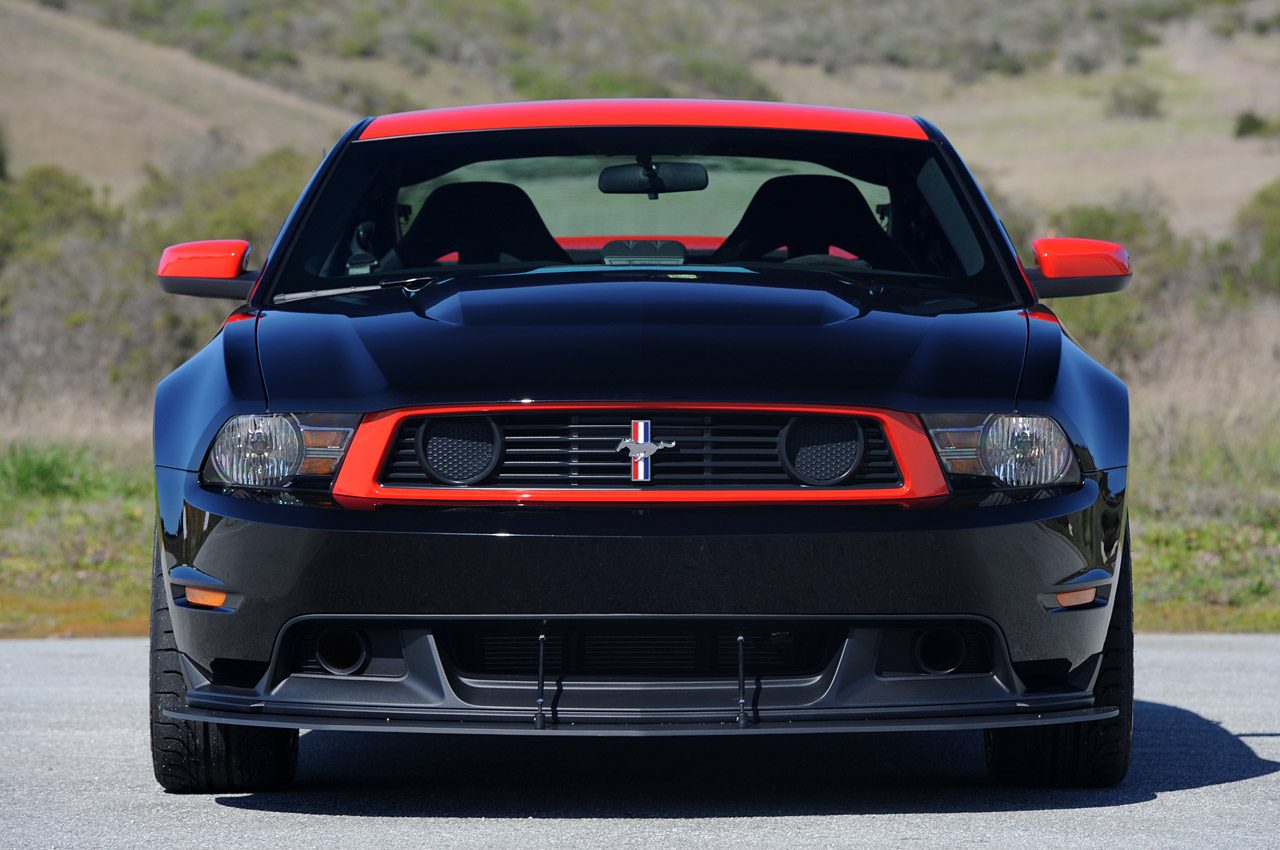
638	113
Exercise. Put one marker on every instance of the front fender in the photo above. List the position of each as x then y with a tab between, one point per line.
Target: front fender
219	381
1062	380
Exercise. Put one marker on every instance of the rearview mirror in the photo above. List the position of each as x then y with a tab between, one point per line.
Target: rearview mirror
1070	267
213	268
653	178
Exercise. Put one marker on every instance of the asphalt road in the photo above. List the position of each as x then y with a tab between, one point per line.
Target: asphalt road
75	772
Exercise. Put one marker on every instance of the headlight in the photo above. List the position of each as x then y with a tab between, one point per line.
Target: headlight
1015	450
279	450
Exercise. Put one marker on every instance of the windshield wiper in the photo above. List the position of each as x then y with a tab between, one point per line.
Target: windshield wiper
408	284
286	297
412	284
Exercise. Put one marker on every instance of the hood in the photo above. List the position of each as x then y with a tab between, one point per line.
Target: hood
636	336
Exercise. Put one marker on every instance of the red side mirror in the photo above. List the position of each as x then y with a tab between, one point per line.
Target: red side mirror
213	268
1078	267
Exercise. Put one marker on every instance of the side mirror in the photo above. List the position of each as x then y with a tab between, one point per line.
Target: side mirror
213	268
1078	267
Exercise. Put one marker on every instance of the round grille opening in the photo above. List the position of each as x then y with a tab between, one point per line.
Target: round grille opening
459	449
821	451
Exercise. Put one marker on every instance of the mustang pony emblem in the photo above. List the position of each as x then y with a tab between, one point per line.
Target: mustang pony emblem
641	448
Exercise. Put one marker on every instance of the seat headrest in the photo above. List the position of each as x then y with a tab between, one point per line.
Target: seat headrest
480	221
808	213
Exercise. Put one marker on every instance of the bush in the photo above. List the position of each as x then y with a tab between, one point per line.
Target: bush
725	79
538	84
1134	98
1250	123
1135	221
47	203
81	317
1259	224
1116	328
249	202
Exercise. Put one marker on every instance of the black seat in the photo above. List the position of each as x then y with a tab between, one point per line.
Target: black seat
482	222
806	214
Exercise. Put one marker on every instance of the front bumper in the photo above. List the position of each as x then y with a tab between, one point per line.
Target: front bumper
866	572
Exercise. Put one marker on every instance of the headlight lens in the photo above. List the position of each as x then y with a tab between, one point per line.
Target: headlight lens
277	450
1015	450
1024	451
257	451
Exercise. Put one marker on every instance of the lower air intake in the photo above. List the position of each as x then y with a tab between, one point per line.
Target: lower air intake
610	651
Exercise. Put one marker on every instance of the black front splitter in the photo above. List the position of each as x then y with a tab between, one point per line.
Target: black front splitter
693	729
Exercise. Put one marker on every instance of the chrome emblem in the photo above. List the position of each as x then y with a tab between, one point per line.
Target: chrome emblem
641	448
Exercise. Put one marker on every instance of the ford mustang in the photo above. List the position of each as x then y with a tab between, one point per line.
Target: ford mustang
665	417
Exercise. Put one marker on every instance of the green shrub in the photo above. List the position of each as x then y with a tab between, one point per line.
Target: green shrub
538	84
725	79
1135	221
359	37
1250	123
46	203
1259	226
249	202
1114	327
1134	98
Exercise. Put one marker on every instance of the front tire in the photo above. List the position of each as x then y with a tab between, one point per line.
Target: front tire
193	757
1088	755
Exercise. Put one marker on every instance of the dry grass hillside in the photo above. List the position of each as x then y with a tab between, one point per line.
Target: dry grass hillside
102	103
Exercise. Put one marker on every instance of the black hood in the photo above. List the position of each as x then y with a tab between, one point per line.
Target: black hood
638	336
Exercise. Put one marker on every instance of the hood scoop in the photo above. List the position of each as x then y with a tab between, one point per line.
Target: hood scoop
636	302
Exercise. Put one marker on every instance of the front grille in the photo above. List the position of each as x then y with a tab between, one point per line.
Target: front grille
637	650
720	449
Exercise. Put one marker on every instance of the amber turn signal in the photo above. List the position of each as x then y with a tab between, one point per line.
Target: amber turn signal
1072	598
206	598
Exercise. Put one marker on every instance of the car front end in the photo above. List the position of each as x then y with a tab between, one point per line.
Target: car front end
582	484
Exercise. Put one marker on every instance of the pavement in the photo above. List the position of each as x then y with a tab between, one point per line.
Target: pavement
75	771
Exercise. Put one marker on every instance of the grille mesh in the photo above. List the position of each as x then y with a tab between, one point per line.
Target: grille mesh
458	449
823	451
717	449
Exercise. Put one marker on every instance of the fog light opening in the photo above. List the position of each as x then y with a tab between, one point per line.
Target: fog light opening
939	651
342	652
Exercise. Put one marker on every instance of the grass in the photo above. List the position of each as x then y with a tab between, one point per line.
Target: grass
1207	576
75	541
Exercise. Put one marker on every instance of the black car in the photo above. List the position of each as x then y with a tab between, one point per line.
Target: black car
641	418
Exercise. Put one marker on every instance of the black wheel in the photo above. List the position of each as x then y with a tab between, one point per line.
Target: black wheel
191	757
1089	755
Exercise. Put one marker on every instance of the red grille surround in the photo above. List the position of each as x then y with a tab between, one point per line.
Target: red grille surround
358	486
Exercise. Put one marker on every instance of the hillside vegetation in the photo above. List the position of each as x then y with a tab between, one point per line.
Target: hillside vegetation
1064	126
586	48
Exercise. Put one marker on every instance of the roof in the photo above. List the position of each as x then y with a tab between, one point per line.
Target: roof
655	112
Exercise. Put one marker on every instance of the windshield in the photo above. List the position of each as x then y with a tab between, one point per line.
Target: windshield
513	200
